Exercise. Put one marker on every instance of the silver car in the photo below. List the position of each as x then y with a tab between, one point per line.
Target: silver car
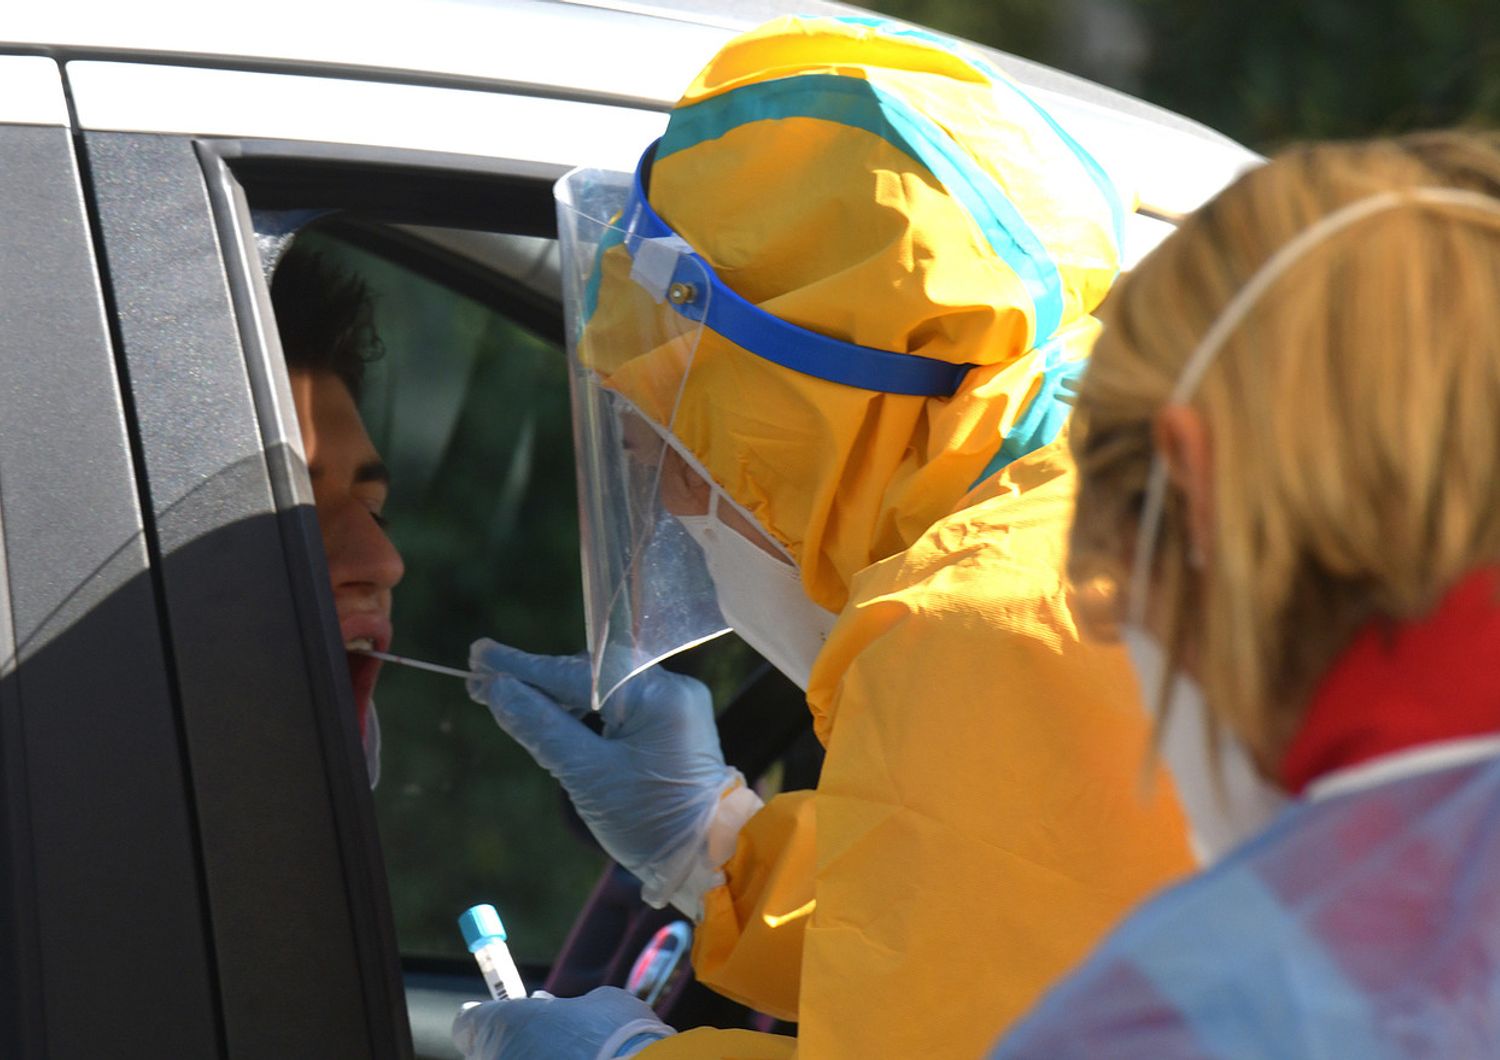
191	861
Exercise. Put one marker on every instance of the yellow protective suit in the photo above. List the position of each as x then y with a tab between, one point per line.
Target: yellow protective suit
982	818
983	815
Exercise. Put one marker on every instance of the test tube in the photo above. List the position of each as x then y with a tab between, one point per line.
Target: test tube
484	934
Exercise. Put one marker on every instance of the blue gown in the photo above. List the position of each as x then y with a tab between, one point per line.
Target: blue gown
1363	925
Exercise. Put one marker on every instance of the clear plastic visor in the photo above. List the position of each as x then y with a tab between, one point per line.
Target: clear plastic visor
647	590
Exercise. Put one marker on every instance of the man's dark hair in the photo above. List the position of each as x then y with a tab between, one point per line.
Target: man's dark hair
326	317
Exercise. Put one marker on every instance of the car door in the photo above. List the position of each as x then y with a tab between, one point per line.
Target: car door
104	939
186	202
291	883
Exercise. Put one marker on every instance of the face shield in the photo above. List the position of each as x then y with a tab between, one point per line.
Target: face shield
634	302
644	314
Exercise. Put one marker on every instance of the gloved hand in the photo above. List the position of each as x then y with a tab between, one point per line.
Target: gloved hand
604	1023
649	787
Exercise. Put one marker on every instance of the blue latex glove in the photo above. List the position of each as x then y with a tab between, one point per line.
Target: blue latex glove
604	1023
647	787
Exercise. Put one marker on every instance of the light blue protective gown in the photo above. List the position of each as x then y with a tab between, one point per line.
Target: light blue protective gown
1365	925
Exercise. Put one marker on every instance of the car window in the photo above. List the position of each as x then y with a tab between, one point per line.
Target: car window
469	409
467	403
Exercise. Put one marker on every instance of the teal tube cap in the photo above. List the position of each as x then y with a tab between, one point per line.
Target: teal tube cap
479	925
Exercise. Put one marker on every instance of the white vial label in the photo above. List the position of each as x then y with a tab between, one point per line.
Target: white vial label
500	972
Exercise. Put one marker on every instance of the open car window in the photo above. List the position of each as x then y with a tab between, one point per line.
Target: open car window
467	403
469	409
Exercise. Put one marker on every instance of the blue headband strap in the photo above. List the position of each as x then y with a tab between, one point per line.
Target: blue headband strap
767	335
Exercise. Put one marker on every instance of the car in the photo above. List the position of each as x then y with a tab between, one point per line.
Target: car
191	859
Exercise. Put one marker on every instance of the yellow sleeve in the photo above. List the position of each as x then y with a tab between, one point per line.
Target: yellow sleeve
706	1043
748	945
984	815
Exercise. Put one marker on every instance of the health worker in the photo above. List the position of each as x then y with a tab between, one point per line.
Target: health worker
1288	444
822	341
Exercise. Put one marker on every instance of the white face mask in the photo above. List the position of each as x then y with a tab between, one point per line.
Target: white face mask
760	595
1224	810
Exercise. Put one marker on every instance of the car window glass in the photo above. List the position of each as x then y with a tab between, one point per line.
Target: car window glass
469	410
467	404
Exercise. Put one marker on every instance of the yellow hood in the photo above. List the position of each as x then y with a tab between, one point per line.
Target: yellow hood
877	186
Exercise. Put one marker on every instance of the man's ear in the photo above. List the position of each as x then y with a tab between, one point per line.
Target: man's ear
1183	439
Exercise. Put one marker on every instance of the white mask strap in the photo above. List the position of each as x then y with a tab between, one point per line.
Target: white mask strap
1231	317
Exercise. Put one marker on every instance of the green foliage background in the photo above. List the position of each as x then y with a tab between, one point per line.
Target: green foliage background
1266	73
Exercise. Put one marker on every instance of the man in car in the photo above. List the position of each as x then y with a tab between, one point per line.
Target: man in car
327	332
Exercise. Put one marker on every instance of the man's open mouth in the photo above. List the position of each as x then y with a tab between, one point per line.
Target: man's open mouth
363	673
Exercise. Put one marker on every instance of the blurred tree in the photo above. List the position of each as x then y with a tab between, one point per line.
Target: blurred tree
1289	70
1022	27
1265	74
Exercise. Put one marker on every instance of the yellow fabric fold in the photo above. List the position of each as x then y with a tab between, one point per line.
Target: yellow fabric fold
749	944
721	1045
983	816
828	213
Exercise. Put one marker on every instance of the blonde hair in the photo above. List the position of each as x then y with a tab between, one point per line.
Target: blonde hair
1354	417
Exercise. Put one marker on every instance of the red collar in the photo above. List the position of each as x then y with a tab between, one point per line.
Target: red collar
1400	686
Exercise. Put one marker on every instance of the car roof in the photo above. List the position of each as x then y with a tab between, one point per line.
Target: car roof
639	54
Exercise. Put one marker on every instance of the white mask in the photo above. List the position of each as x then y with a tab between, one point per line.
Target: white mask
761	595
1223	810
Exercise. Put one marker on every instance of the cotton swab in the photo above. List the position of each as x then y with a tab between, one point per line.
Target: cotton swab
418	664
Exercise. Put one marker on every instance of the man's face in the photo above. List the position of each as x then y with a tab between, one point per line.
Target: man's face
350	484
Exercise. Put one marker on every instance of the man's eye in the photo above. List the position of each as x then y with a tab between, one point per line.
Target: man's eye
380	520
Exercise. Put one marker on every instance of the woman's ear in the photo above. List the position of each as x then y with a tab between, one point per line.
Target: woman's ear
1183	439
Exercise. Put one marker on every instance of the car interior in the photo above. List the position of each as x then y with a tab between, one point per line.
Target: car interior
467	402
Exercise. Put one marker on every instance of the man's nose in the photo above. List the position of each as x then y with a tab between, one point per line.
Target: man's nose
360	553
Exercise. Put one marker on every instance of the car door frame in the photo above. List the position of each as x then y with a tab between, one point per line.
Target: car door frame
100	871
300	917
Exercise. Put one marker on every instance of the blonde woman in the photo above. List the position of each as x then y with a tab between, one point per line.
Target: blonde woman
1288	443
